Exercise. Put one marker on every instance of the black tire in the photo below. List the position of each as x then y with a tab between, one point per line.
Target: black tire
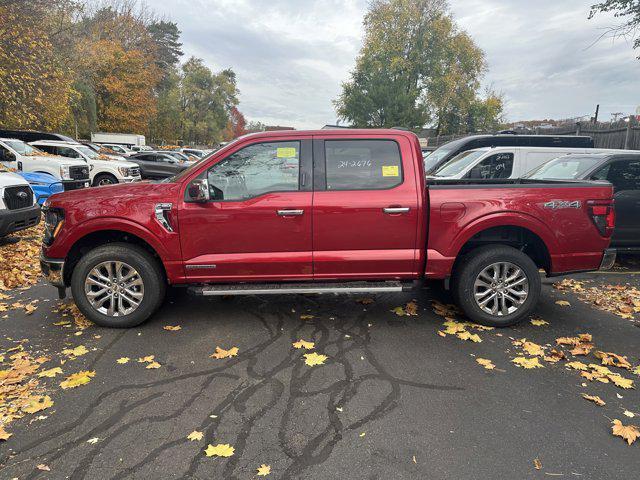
473	263
142	261
103	179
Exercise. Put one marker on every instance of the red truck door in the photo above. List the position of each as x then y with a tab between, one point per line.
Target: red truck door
257	225
365	208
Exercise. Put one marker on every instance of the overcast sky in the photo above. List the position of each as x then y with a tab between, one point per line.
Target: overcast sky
291	56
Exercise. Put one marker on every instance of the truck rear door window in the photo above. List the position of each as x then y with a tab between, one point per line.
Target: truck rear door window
499	165
255	170
362	164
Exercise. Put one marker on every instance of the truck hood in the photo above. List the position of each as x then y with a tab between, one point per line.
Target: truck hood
58	159
119	194
112	163
10	179
43	178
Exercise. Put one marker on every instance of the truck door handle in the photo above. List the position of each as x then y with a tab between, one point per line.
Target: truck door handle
290	213
396	210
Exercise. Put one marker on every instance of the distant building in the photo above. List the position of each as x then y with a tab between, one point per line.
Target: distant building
276	128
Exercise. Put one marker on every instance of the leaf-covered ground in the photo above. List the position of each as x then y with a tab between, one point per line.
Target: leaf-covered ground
319	387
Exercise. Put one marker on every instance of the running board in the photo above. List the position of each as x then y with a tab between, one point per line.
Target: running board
284	288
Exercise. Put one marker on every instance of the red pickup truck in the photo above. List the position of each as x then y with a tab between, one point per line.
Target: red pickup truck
321	212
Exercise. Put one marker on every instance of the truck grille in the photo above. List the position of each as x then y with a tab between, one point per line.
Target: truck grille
79	172
135	171
18	197
68	186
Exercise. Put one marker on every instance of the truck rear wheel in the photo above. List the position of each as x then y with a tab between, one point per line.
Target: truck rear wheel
118	285
496	285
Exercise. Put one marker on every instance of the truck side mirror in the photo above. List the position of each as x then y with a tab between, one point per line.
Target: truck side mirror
198	190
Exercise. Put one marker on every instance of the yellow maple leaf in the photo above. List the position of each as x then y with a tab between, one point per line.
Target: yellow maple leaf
314	358
153	365
595	399
303	344
195	436
123	360
220	450
147	359
488	364
77	379
306	317
264	470
527	362
4	435
620	381
37	403
75	352
465	335
538	322
172	328
613	360
628	432
533	349
577	366
222	353
563	303
52	372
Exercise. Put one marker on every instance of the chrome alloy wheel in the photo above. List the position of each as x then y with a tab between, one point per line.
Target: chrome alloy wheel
114	288
501	288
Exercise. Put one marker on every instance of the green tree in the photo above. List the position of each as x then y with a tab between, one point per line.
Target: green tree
415	68
629	10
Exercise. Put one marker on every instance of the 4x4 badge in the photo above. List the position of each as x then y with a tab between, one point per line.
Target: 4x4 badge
558	204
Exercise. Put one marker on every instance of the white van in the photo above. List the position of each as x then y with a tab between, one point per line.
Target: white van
502	162
20	156
102	169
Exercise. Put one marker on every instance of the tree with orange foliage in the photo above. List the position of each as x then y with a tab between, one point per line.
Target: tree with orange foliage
236	127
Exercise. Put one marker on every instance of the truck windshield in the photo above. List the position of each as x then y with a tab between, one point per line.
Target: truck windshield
459	163
564	168
439	154
87	152
23	148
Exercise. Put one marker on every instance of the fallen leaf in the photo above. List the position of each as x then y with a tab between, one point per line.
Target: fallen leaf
306	317
595	399
613	360
37	403
195	436
172	328
222	353
629	432
153	365
620	381
77	379
4	435
264	470
123	360
488	364
52	372
93	440
577	366
533	349
466	335
43	467
313	359
220	450
527	362
538	322
75	352
629	414
563	303
362	434
303	344
147	359
537	463
365	301
554	356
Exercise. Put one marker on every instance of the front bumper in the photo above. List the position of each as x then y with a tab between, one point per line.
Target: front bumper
131	179
53	271
69	185
15	220
608	259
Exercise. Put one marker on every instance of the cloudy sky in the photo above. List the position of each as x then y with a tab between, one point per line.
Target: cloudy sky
292	55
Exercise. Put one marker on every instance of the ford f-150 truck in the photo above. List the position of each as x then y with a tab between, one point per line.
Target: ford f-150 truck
344	211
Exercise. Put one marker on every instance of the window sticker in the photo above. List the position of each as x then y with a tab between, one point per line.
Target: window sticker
288	152
390	171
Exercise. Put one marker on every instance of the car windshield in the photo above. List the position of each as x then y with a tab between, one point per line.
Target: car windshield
459	163
438	154
23	148
87	152
564	168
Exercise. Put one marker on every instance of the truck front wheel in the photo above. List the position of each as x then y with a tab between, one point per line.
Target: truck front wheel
118	285
103	179
496	285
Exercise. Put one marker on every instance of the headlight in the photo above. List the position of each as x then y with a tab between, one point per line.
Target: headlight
53	221
124	171
64	172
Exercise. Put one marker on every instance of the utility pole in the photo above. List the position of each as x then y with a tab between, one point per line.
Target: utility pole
595	118
627	137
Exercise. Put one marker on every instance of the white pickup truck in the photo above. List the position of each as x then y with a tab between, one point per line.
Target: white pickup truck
103	169
17	155
18	206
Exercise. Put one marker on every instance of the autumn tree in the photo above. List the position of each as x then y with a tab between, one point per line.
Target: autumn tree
416	67
236	126
627	10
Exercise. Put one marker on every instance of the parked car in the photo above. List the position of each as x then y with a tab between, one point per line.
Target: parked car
42	184
22	157
358	217
157	165
622	170
141	148
119	149
18	207
103	169
446	152
501	162
194	152
29	136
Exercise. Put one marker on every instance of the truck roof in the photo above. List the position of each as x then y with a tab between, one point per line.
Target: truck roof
337	131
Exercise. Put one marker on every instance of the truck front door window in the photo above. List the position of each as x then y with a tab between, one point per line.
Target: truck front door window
255	170
362	164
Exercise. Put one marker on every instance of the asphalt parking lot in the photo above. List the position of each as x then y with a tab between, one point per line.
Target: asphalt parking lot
393	399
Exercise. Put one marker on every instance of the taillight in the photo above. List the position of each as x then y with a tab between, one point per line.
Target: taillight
603	215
